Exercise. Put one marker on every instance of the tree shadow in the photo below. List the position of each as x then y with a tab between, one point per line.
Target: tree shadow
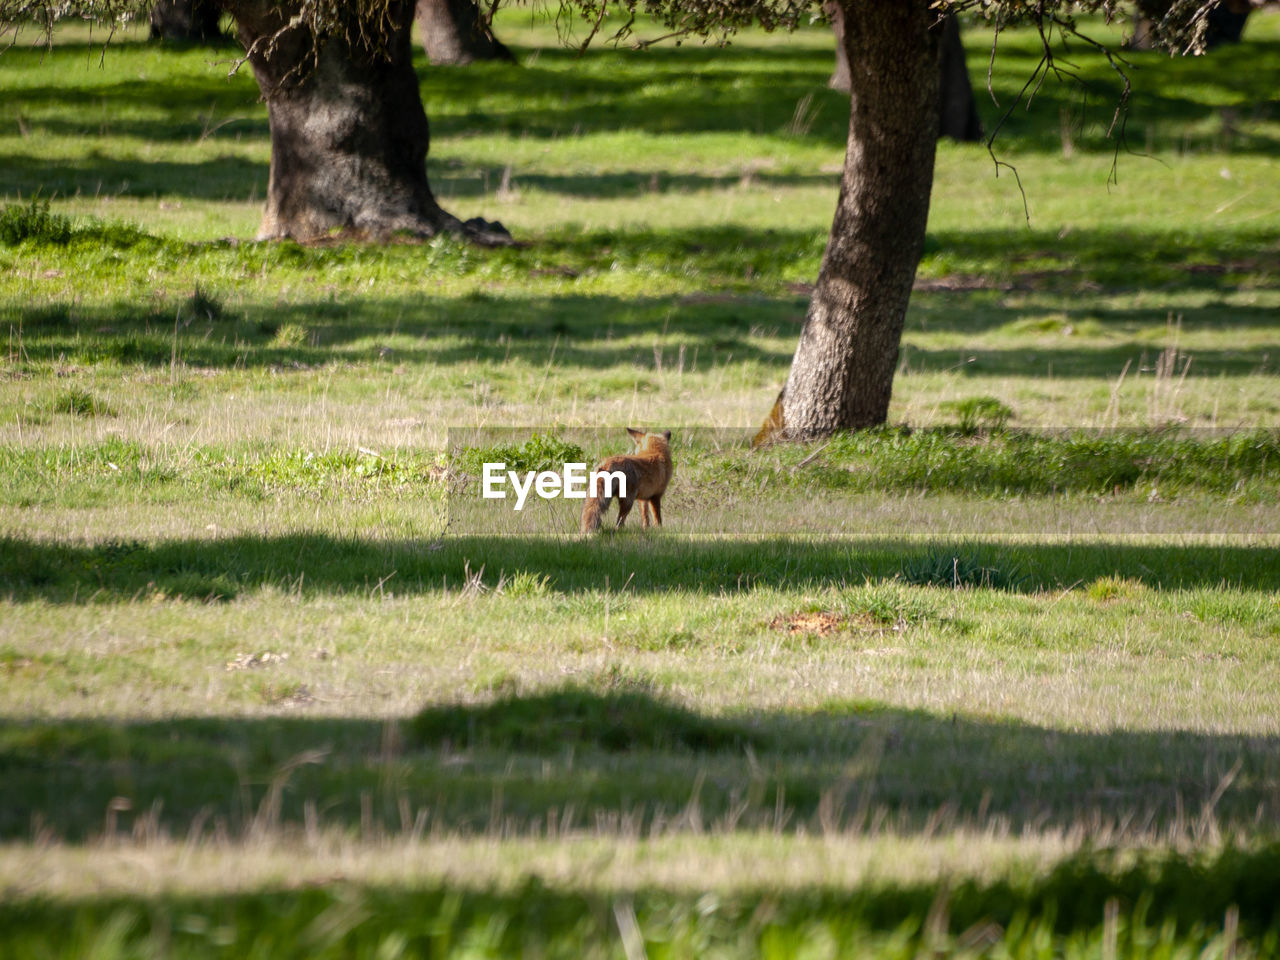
1115	259
1085	362
1151	902
626	761
225	179
782	91
172	109
316	564
607	186
1187	104
584	333
777	91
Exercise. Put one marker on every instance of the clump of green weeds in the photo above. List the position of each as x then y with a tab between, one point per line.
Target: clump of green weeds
542	451
33	221
1114	587
306	470
961	571
979	414
202	305
887	603
523	583
290	335
81	403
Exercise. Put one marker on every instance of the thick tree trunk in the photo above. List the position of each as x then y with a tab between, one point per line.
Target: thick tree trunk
349	135
957	112
842	373
187	20
455	33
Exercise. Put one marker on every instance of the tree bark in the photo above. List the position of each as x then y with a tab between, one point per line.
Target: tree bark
349	135
454	33
194	21
842	373
957	112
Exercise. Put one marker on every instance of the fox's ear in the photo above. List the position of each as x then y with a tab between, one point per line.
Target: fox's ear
635	434
667	434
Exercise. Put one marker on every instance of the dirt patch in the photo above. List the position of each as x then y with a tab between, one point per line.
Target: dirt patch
250	661
819	624
959	283
1250	265
697	299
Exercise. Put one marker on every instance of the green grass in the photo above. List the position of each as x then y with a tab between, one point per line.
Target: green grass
998	679
1082	908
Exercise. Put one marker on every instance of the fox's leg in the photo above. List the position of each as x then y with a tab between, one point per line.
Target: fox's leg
624	507
656	503
646	513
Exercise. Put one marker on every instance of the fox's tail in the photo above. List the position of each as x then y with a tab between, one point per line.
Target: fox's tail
592	511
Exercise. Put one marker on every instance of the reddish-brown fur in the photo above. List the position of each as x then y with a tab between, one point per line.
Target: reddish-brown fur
648	470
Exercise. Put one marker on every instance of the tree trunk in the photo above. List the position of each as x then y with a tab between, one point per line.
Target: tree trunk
454	33
186	20
835	16
349	135
1226	23
957	112
842	373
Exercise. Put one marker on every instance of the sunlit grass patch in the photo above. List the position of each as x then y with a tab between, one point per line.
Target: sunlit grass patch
1115	588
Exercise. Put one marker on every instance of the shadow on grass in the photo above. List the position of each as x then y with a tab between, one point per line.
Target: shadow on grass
319	564
236	179
588	334
225	179
570	332
979	281
1086	362
663	92
625	183
614	756
1163	905
669	90
672	91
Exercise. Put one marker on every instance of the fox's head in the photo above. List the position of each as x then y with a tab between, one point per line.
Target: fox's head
645	440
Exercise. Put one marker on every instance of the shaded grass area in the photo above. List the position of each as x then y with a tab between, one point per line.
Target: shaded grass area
753	88
726	256
318	564
578	309
1089	905
619	720
609	332
622	759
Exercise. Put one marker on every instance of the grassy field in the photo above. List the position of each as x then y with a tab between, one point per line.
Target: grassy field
1000	679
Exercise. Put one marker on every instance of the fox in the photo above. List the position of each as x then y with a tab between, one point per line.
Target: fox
648	470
